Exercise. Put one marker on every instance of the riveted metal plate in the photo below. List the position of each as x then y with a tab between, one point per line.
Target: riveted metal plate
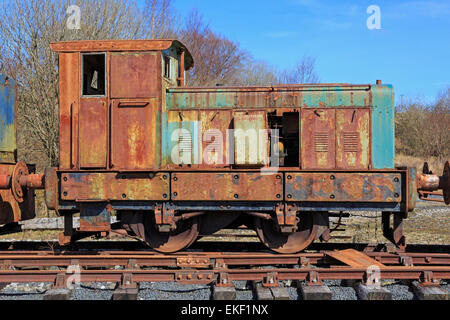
220	186
114	186
344	186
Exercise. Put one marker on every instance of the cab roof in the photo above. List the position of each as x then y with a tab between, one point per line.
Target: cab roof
123	45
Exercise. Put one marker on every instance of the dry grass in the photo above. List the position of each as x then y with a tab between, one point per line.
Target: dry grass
436	165
37	235
429	223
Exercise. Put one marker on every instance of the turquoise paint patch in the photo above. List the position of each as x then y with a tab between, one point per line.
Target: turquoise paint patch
334	97
383	127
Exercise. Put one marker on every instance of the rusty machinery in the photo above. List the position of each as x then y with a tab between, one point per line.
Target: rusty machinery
429	184
170	162
17	179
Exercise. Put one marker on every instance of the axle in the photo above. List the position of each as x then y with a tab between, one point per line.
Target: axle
428	183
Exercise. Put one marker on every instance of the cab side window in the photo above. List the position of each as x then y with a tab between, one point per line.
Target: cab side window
94	74
167	67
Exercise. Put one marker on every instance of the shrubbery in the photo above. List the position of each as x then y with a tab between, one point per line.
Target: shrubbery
424	130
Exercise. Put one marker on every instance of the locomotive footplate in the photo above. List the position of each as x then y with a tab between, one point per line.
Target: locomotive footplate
289	209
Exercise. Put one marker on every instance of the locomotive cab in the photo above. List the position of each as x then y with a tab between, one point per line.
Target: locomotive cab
110	100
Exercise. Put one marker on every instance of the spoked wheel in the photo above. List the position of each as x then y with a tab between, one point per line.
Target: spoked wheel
287	242
173	241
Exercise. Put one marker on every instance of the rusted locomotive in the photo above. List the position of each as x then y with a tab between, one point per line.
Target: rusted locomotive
173	163
16	203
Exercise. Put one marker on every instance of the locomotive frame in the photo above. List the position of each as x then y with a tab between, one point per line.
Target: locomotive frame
171	162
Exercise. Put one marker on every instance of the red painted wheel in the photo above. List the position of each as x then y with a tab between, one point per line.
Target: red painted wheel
20	170
173	241
287	242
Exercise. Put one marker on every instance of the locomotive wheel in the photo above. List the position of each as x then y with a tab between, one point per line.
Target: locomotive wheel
287	242
173	241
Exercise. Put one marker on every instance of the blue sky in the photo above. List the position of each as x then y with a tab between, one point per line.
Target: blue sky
410	51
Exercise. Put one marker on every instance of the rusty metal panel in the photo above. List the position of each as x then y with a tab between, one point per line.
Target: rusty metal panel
318	139
214	145
133	134
95	217
69	96
251	145
344	186
412	188
51	188
114	186
352	138
93	133
220	186
251	98
134	75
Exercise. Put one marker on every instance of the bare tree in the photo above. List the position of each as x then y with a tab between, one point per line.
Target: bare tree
217	59
160	19
26	30
258	73
439	124
303	72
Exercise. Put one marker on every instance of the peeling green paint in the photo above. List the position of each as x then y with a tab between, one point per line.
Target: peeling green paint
383	131
265	97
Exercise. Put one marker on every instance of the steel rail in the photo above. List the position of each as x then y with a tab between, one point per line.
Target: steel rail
215	275
19	259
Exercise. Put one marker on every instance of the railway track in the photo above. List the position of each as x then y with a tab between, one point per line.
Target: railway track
361	263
